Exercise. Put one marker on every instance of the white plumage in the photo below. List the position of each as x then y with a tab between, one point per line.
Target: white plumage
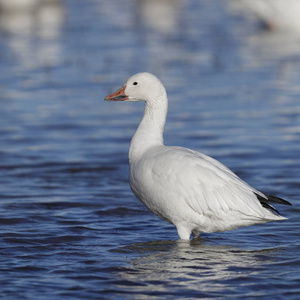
193	191
282	15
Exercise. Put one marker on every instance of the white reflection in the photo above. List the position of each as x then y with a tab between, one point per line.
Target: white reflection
160	15
276	14
21	5
34	27
278	46
194	265
161	33
271	46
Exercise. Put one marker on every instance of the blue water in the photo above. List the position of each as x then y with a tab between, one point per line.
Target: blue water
70	226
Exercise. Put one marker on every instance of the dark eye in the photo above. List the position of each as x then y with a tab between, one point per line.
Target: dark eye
135	83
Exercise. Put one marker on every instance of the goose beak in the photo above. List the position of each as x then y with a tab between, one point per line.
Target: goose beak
119	95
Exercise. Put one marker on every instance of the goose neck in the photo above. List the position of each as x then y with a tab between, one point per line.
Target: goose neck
150	131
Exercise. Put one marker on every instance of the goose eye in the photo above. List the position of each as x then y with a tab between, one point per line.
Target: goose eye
135	83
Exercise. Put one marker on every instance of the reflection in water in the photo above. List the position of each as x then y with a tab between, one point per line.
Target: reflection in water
276	44
26	21
18	5
265	48
161	15
194	266
272	47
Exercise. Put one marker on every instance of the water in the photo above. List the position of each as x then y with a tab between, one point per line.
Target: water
70	226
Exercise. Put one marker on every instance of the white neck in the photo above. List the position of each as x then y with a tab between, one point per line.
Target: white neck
151	128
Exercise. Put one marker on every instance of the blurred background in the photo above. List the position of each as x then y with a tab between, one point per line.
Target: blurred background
231	69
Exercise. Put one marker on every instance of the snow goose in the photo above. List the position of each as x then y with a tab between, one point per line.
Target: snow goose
281	15
193	191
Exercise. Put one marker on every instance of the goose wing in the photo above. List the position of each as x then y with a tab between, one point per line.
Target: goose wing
206	185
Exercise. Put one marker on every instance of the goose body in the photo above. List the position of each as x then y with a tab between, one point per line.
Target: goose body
281	15
191	190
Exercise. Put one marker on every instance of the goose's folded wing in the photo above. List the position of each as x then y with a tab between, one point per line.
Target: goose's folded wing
206	185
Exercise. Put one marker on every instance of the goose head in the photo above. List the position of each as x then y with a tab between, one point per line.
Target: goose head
140	87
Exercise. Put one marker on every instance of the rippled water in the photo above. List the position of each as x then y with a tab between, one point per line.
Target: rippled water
70	226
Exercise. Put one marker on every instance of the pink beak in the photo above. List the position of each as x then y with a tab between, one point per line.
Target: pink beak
119	95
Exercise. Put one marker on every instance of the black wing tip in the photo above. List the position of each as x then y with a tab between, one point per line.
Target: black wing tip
265	202
274	199
269	206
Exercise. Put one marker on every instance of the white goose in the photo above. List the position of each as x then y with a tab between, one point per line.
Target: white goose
193	191
281	15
